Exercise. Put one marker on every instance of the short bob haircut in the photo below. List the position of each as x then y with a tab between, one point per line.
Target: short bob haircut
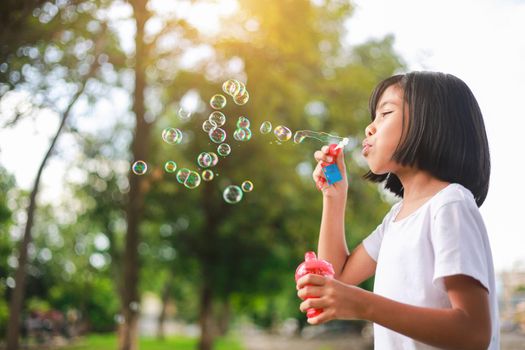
445	134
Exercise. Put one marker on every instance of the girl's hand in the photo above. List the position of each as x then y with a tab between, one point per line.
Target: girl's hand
338	189
336	299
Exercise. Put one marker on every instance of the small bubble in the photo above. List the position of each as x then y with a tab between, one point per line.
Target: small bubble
214	159
172	136
242	98
266	127
218	101
182	174
282	133
224	149
139	167
231	87
207	175
239	134
170	166
243	123
184	114
247	186
217	135
232	194
218	118
204	160
192	180
299	137
208	126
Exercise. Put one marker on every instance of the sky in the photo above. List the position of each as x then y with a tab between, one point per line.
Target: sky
479	41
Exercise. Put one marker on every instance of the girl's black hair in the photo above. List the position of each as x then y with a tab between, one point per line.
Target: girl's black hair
445	134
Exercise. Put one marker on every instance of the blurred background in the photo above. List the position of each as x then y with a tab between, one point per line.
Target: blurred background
93	256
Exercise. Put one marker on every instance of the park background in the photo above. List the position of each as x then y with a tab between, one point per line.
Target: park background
102	247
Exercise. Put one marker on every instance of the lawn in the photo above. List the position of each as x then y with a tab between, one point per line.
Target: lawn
109	342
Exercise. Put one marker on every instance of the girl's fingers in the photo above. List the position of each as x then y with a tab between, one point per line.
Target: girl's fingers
310	292
321	156
313	303
311	279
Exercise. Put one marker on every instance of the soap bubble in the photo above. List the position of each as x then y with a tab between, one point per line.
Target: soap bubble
242	98
266	127
170	166
247	186
231	87
214	159
239	134
243	122
232	194
282	133
182	174
224	149
204	160
217	135
207	175
172	136
184	114
218	101
299	136
208	126
139	167
218	118
192	180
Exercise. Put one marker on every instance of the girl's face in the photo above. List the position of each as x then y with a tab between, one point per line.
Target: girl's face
384	133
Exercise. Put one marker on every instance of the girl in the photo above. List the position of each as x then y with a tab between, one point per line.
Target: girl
434	276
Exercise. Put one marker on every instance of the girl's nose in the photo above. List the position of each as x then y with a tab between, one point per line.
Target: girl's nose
370	130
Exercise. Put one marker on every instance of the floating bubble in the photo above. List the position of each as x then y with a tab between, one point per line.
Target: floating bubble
231	87
170	166
239	134
299	136
232	194
172	136
247	186
208	126
192	180
224	149
182	174
282	133
207	175
218	101
218	118
214	159
184	114
217	135
139	167
241	98
266	127
204	160
243	122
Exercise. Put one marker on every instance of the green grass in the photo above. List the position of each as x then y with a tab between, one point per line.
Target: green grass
109	342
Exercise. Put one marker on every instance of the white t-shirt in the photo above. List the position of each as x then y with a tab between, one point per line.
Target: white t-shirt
445	236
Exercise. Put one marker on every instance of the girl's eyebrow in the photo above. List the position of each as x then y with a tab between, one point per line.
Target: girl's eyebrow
385	103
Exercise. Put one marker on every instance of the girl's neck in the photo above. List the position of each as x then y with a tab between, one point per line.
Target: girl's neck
419	185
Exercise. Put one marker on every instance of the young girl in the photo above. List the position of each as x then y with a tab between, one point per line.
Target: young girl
434	276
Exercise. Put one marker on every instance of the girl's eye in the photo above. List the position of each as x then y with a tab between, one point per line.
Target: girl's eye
385	114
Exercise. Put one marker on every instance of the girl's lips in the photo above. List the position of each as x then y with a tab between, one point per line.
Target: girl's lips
366	149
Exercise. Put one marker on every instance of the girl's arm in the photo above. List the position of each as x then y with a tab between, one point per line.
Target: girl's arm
349	268
465	325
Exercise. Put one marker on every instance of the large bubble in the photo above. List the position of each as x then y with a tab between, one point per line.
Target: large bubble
172	136
232	194
217	135
218	101
139	167
282	133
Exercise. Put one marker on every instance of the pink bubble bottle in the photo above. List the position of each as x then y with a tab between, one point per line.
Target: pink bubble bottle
316	266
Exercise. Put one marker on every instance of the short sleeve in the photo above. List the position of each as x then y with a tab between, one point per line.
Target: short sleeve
459	243
372	243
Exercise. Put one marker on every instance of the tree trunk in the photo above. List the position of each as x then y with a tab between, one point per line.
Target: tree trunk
206	317
165	299
17	296
223	318
128	335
